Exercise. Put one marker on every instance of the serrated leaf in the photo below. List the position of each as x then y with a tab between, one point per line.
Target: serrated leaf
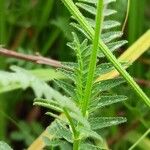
103	122
95	1
69	65
80	29
110	24
103	68
116	45
92	9
108	12
88	8
67	73
52	142
87	132
106	24
60	130
104	101
108	37
50	105
88	146
107	85
67	87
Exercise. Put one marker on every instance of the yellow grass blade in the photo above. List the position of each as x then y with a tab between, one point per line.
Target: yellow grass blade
130	55
39	144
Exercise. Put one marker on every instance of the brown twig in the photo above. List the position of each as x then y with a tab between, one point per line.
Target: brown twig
32	58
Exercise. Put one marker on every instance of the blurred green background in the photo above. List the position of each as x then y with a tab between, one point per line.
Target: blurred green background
30	26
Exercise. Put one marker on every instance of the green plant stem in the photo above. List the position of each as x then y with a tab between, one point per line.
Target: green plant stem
76	144
127	15
75	133
140	139
89	30
92	65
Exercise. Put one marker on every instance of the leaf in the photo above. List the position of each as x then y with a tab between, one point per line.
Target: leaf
67	73
108	37
88	146
62	103
130	55
106	2
106	85
116	45
88	132
4	146
52	142
110	24
103	122
92	10
88	8
12	80
50	104
60	130
23	78
80	29
67	87
109	12
139	47
104	101
103	68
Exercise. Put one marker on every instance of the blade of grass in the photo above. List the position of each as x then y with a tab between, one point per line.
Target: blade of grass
145	142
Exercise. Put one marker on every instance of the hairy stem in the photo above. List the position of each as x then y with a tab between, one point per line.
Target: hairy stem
92	65
89	30
76	144
75	133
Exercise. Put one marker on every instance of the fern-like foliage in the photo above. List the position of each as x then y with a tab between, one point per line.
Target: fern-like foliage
21	78
110	33
73	126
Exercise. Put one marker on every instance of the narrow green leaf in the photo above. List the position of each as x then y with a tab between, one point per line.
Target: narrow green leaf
103	122
95	1
109	36
104	101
